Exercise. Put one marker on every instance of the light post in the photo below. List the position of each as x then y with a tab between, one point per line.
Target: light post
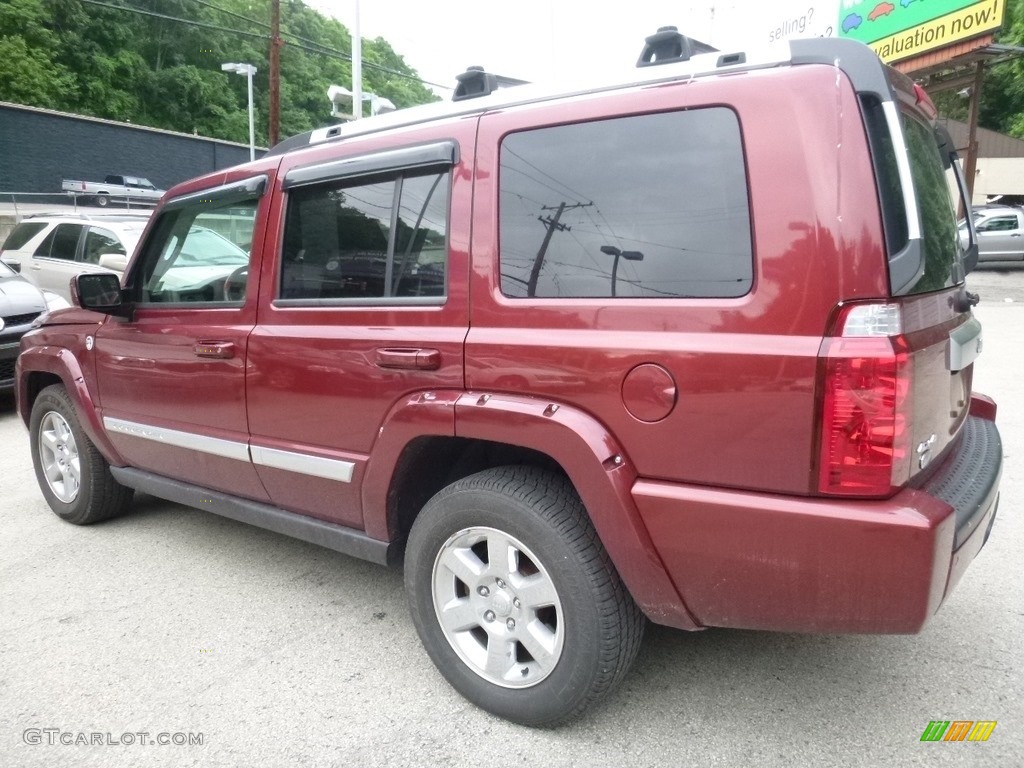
611	250
248	70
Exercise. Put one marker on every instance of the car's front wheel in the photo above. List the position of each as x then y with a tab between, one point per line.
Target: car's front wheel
515	598
74	477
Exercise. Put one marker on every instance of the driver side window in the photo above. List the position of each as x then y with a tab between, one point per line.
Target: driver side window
199	254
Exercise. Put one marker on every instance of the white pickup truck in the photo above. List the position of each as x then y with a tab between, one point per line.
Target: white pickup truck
119	188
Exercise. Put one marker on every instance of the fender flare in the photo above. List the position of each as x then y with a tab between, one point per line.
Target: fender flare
591	457
62	363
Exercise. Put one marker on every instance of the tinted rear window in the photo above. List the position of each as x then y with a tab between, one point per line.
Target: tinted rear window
646	206
22	234
938	212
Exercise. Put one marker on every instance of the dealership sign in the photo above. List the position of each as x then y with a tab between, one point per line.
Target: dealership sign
904	28
895	29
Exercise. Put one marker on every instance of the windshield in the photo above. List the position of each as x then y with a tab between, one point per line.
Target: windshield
130	238
206	247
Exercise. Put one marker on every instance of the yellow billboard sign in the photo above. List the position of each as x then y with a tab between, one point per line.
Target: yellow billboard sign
963	24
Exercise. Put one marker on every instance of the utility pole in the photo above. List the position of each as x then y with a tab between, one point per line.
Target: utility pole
971	164
551	224
274	128
357	68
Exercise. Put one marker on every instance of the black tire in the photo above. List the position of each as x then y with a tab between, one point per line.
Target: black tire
102	200
82	497
555	545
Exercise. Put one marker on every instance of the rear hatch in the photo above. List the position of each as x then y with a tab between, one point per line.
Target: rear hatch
908	358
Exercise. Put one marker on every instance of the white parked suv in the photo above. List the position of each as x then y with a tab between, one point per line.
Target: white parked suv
48	250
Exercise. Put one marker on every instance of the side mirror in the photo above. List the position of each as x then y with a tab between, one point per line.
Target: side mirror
100	292
15	265
116	262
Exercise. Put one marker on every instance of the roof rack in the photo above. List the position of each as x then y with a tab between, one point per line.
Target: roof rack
667	46
856	59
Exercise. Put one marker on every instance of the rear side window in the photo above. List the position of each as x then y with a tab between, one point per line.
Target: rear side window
938	212
941	254
373	239
61	243
21	234
647	206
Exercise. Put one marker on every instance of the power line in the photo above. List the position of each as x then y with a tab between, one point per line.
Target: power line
318	49
154	14
322	49
226	12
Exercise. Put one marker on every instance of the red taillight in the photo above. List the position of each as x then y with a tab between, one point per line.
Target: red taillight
866	386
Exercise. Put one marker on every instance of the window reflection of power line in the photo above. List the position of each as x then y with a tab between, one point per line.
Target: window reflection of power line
587	251
668	247
535	180
572	191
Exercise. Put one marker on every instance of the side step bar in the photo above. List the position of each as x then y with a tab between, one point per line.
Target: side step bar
348	541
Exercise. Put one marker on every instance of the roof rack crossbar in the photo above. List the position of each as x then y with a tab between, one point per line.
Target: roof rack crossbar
667	46
473	83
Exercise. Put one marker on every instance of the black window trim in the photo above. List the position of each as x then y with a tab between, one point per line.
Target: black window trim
416	157
246	189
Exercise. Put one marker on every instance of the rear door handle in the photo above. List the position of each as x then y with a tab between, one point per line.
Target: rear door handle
220	350
413	358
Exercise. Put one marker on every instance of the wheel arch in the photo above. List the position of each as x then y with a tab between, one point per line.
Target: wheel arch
466	433
40	367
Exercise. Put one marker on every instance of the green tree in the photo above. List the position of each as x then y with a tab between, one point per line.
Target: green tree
29	46
153	70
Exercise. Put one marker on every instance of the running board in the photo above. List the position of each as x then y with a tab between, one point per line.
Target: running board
348	541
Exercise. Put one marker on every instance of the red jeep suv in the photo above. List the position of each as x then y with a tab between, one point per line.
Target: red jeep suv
691	347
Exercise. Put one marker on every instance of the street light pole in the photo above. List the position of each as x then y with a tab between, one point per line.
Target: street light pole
248	70
357	69
611	250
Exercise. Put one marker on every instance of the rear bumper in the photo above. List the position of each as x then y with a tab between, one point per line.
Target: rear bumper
760	561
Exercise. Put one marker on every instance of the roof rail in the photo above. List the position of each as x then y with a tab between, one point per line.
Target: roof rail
667	46
474	83
89	216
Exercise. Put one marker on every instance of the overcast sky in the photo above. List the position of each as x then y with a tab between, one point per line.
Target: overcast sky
532	39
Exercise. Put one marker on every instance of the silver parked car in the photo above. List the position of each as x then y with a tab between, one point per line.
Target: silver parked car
49	249
21	304
1000	233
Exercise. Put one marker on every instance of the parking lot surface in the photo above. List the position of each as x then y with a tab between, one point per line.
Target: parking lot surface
241	647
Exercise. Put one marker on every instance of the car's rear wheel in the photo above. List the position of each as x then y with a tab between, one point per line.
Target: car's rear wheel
515	598
102	200
74	477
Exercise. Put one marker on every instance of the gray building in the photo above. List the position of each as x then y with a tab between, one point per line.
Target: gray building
40	147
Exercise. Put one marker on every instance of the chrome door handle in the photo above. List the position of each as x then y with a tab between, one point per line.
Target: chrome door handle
412	358
220	350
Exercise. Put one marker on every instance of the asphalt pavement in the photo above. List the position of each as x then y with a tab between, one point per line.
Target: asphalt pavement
241	647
